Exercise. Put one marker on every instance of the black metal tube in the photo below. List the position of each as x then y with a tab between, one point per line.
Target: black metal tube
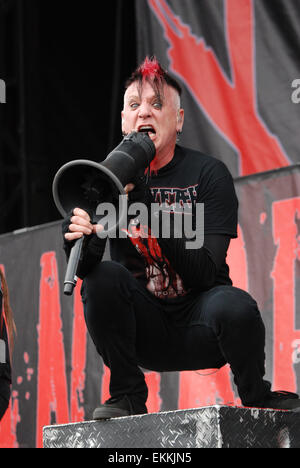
70	277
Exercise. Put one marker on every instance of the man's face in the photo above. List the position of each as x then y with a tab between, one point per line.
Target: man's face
158	114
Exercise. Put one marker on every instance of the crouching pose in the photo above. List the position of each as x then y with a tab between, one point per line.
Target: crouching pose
160	303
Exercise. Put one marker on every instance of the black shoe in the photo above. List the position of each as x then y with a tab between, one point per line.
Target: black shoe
280	400
119	406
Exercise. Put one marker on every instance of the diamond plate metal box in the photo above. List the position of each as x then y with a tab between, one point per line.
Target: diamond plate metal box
207	427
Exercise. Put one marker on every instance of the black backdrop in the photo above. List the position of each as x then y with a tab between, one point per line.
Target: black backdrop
64	64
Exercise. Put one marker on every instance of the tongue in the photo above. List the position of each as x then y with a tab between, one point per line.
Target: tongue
151	135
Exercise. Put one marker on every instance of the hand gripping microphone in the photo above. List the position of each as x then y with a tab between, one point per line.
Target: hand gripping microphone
85	184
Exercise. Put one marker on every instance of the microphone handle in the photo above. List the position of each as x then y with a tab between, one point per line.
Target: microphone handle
71	278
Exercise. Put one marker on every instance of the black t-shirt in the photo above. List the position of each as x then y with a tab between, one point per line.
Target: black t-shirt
166	267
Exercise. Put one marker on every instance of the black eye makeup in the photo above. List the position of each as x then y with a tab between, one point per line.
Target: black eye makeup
157	104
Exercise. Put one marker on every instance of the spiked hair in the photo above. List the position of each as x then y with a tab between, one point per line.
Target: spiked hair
151	71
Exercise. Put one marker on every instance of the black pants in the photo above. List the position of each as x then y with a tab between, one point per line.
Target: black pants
131	328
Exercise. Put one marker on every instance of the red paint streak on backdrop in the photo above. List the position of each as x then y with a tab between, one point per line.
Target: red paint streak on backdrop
231	107
8	425
52	395
237	261
78	358
153	382
286	337
206	387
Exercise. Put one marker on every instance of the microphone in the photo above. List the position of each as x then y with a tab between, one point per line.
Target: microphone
70	277
86	184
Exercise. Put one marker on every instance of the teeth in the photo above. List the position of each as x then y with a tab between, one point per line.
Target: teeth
146	128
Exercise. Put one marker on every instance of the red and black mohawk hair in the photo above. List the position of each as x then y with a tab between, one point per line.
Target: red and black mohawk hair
151	71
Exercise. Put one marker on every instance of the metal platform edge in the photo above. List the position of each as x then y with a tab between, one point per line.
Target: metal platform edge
216	426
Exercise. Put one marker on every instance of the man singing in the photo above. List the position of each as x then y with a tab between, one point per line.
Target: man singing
159	304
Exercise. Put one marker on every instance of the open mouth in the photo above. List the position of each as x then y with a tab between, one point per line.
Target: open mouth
146	129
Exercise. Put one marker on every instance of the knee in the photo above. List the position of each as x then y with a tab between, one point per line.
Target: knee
105	273
105	280
104	292
233	306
